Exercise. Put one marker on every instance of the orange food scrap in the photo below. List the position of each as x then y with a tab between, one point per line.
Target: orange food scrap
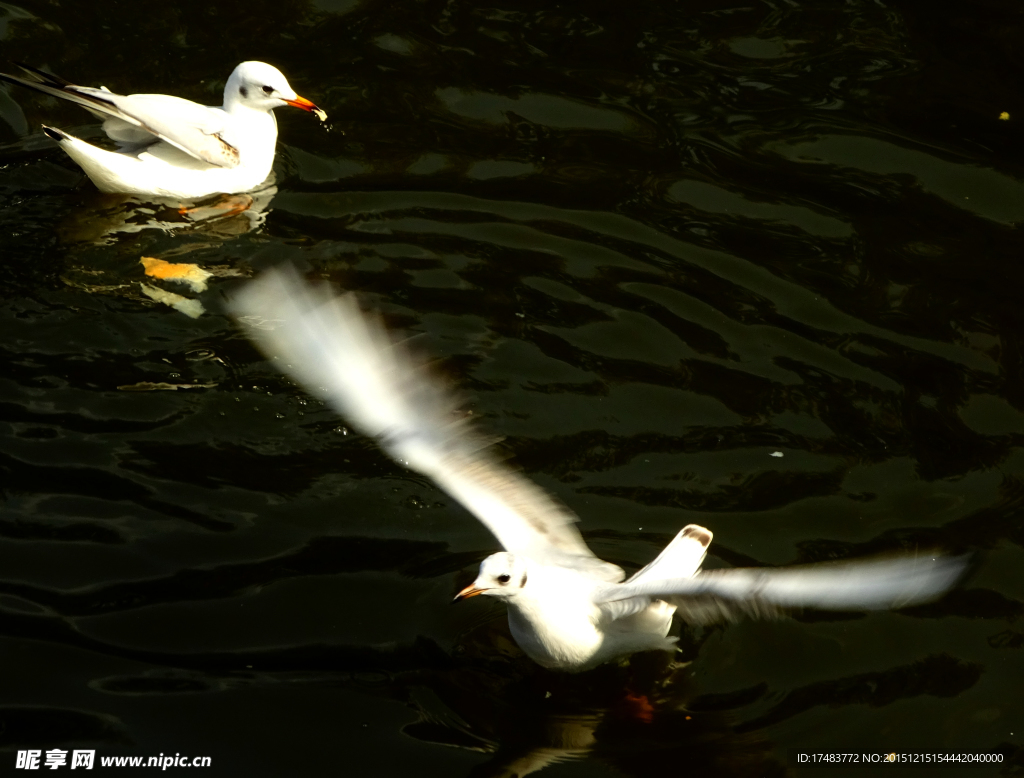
193	275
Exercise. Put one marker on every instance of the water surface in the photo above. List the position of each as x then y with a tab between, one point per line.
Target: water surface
753	266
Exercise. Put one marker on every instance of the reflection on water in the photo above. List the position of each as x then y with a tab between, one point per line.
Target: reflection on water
658	245
101	219
104	218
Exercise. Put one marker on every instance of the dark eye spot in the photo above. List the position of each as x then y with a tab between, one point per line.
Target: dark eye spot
268	90
243	91
504	578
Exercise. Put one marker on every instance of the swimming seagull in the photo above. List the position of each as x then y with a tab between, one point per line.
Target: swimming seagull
172	147
567	609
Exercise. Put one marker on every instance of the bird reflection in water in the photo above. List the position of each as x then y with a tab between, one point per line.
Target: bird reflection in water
100	218
105	219
639	716
634	715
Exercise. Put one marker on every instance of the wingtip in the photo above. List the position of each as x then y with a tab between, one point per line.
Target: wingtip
696	532
42	77
55	134
962	566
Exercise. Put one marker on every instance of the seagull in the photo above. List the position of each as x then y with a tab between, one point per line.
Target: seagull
568	610
171	147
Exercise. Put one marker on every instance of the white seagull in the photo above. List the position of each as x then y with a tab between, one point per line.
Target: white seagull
567	609
172	147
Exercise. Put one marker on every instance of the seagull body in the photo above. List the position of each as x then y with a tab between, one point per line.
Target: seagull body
567	609
171	147
570	632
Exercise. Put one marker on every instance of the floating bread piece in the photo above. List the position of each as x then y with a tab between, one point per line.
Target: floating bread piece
193	275
188	306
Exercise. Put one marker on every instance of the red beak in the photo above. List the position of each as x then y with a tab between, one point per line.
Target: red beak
306	105
465	594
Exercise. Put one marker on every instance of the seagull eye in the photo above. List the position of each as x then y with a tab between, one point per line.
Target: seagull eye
268	90
504	578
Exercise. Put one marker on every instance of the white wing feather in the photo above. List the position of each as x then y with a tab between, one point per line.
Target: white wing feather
337	352
193	128
681	558
877	584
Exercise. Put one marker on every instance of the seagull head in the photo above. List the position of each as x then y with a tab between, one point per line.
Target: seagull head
501	575
262	87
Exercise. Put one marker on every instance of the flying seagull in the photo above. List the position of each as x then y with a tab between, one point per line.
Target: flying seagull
172	147
567	609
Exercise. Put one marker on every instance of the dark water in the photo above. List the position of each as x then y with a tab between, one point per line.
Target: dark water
655	242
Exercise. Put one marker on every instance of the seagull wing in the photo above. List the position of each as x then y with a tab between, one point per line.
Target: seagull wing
718	595
679	559
327	344
193	128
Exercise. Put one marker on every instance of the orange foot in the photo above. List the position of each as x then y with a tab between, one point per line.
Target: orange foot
638	707
228	205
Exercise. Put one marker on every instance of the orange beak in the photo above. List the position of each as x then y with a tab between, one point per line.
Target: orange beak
306	105
465	594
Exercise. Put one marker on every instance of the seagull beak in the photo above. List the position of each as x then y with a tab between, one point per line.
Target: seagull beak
465	594
306	105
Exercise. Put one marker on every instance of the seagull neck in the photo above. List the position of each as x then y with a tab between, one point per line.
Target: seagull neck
238	107
545	588
232	102
248	123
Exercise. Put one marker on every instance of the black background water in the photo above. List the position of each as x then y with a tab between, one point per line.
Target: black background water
658	244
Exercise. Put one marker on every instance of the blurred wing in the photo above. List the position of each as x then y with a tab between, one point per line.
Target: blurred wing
710	609
622	609
334	350
718	595
193	128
